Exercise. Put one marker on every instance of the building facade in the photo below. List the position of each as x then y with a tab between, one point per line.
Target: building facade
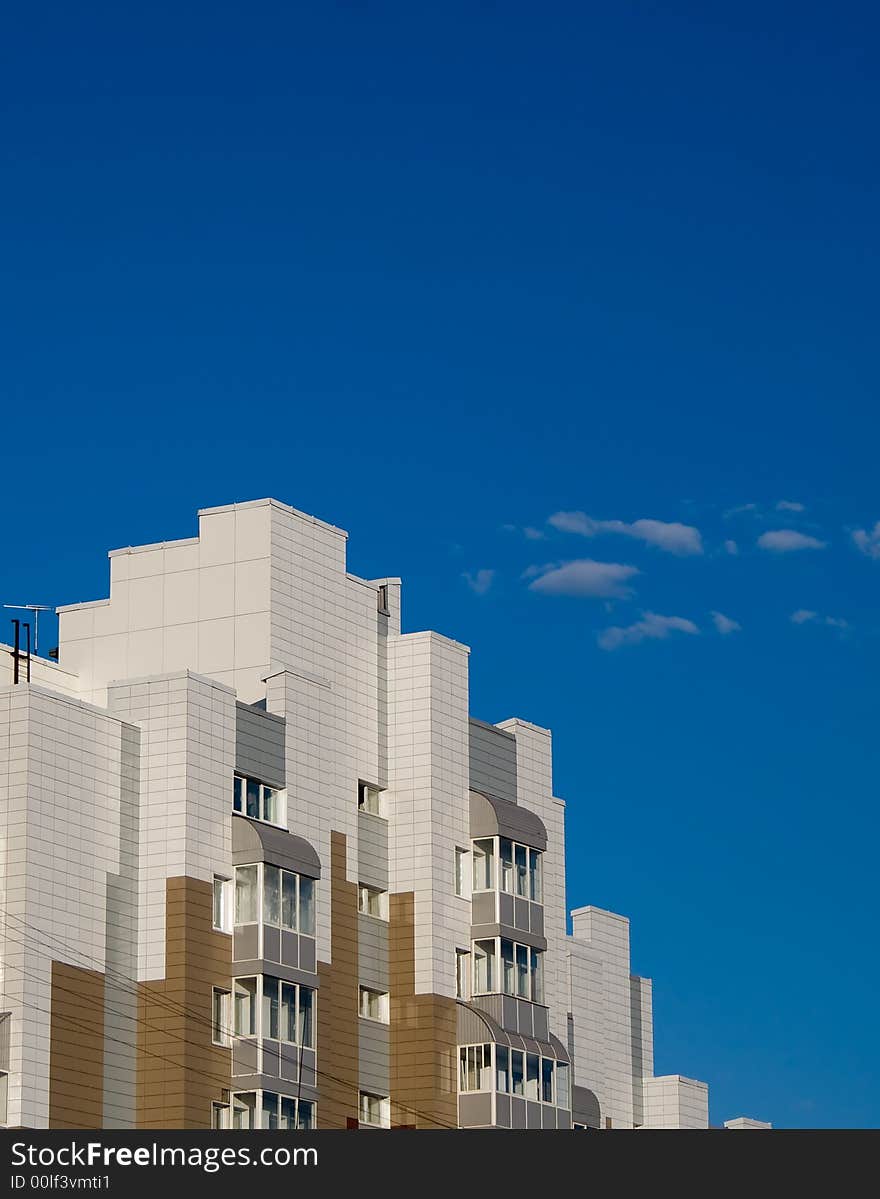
261	869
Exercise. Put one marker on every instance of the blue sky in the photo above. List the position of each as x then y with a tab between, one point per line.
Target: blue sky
444	274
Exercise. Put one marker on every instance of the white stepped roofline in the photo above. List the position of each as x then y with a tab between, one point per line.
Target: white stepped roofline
601	911
268	502
61	698
535	728
101	603
432	635
155	545
5	648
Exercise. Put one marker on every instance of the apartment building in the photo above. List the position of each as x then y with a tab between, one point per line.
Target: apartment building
262	869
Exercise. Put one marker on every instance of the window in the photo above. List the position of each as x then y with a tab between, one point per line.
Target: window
532	1067
502	1069
222	906
484	967
257	800
244	1108
288	900
462	873
517	1073
505	852
520	869
371	799
484	865
521	969
273	1110
372	902
462	974
219	1115
288	1012
246	909
475	1068
563	1092
220	1016
521	856
535	884
245	1007
375	1110
382	599
373	1004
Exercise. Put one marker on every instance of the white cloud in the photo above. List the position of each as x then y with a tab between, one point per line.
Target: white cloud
784	541
651	627
837	622
605	580
868	542
802	616
790	506
731	546
739	510
480	582
671	536
808	616
531	534
724	624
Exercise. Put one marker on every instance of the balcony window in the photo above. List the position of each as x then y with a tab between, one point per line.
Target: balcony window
521	969
287	1012
246	895
475	1068
288	900
519	867
547	1095
281	897
484	864
502	1069
517	1072
532	1070
484	967
535	887
245	1007
257	801
244	1109
272	1111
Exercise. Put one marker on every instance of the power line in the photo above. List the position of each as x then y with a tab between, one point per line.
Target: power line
135	989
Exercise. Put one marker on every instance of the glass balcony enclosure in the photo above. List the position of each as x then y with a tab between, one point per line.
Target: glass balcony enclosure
506	967
269	895
265	1109
508	1071
500	864
267	1008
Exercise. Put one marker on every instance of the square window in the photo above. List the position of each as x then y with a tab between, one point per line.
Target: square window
371	799
372	902
373	1005
375	1110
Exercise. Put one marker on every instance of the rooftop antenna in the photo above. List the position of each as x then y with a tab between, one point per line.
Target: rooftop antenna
36	609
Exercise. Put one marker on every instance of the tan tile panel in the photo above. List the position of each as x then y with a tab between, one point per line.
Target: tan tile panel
180	1071
423	1034
76	1048
338	1000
